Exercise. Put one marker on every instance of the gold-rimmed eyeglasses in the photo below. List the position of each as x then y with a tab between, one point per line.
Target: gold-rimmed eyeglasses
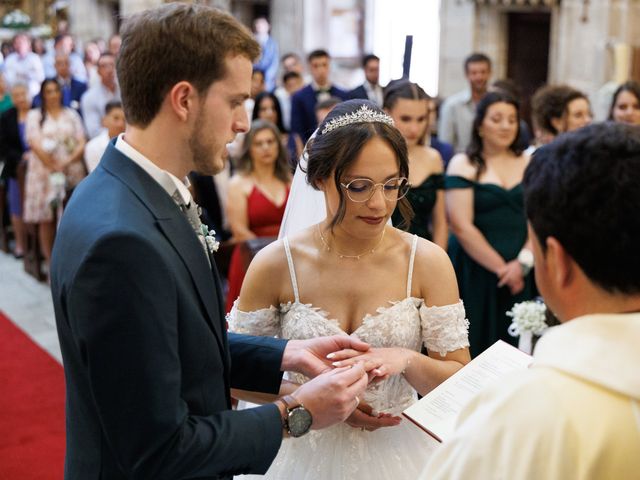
362	189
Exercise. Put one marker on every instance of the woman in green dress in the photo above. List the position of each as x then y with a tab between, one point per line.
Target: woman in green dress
489	246
408	105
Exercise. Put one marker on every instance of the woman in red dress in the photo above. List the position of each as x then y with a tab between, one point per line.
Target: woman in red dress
257	196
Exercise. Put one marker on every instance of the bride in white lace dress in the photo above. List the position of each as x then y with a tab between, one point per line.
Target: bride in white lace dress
353	274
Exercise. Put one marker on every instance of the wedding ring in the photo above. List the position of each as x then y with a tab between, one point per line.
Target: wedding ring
357	401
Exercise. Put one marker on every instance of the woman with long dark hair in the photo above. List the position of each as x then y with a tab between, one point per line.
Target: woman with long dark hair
489	242
258	194
625	105
56	137
267	107
408	104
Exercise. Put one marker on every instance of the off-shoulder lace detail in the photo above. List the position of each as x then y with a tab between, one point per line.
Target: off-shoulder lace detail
444	329
264	322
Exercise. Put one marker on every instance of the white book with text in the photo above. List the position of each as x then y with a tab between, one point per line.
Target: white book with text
436	413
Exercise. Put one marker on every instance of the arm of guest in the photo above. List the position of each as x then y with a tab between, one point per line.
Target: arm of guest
33	134
237	208
459	205
446	131
439	216
45	157
79	135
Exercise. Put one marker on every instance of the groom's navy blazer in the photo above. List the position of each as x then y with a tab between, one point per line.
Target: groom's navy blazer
148	362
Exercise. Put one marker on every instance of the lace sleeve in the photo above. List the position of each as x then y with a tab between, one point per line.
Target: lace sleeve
264	322
444	329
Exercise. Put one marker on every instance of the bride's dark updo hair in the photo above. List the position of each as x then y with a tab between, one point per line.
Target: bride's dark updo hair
333	152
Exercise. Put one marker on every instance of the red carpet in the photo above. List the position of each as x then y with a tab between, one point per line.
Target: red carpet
32	440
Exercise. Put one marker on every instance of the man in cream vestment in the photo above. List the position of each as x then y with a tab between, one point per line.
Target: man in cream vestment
575	414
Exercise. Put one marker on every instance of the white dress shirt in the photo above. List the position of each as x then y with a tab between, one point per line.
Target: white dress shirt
456	120
166	180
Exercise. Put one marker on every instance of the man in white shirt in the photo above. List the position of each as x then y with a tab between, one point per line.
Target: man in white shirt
95	99
575	414
459	110
24	66
291	82
114	124
63	45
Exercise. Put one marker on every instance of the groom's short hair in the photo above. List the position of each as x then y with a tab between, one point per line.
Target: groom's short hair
582	189
172	43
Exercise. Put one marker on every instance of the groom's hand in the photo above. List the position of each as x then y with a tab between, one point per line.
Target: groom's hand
332	396
309	357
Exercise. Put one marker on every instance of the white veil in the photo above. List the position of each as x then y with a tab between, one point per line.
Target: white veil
305	206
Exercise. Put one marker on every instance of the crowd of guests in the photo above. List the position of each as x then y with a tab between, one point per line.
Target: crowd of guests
467	155
58	111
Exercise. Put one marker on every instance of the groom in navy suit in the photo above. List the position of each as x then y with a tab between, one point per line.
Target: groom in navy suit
148	362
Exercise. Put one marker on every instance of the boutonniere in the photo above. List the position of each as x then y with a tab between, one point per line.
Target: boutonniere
209	238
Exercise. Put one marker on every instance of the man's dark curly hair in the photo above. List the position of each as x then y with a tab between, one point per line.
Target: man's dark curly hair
583	190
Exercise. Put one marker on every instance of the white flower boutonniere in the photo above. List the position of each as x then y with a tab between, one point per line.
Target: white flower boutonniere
209	238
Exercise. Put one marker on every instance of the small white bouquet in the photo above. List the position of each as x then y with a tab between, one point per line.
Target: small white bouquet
528	317
529	320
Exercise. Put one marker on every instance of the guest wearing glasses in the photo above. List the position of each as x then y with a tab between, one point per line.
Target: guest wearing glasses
353	273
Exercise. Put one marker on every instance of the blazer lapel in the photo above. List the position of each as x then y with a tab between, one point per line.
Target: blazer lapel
176	228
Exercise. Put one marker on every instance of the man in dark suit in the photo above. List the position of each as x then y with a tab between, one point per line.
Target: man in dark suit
148	362
370	89
70	88
303	102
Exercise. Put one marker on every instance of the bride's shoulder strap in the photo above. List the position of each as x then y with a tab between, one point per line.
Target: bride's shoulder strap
292	271
412	257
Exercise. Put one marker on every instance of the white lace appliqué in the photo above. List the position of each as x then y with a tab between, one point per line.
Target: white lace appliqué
444	329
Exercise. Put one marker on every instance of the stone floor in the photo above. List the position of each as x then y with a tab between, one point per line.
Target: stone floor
28	303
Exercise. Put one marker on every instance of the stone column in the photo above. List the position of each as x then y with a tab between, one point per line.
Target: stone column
89	19
457	29
286	25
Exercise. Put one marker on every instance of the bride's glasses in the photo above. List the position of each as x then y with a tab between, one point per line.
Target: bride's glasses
362	189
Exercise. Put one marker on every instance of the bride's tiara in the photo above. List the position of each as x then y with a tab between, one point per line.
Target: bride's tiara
363	114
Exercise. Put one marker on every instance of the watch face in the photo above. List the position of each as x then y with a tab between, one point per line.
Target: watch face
299	421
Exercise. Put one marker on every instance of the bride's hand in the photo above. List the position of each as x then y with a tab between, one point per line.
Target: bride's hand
363	418
390	361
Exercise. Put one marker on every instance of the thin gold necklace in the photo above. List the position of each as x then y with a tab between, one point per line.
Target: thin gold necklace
342	255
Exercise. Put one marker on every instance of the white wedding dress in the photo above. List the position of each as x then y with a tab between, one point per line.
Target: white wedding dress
343	452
